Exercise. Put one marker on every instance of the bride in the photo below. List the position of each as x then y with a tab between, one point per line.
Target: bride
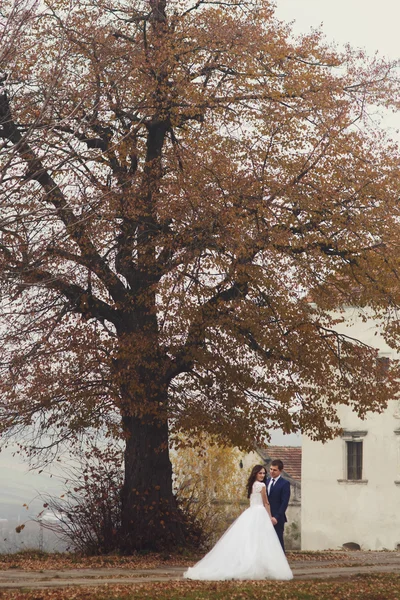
250	548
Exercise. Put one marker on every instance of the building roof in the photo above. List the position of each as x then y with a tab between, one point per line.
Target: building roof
289	455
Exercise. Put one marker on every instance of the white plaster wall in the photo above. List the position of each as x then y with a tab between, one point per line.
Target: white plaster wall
335	512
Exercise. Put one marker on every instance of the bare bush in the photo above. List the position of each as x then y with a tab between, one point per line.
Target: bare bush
88	515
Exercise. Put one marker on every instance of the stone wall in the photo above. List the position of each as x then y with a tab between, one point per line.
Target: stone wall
293	513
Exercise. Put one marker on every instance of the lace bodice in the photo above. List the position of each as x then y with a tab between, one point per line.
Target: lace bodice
255	497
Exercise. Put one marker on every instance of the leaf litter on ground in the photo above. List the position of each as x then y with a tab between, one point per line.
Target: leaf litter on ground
365	587
37	560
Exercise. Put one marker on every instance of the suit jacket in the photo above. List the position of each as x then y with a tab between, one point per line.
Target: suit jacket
279	499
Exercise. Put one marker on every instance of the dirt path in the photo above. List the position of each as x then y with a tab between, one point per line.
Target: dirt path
352	564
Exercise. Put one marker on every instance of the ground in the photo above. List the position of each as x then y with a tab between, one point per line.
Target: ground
317	576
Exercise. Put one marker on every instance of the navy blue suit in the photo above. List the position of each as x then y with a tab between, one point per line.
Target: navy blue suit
279	499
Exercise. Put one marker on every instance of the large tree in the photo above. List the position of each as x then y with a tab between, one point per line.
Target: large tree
179	179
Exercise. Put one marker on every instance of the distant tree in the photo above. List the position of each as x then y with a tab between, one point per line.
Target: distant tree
209	485
178	179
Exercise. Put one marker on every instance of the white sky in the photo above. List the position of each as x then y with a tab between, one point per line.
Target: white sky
369	24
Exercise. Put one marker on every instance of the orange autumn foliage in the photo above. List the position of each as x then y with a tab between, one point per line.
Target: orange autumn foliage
210	485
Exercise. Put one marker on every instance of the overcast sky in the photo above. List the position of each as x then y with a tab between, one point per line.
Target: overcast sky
369	24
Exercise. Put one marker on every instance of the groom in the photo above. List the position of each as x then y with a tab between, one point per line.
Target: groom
278	492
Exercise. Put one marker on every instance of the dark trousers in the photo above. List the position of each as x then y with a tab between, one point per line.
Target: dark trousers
279	532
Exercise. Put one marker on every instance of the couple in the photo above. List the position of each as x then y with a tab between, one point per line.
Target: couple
252	547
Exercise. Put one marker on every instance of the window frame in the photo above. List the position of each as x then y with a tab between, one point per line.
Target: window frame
354	460
358	437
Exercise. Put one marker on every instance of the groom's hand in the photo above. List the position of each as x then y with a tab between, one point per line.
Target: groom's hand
273	521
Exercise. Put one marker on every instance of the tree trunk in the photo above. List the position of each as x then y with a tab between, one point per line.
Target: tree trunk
150	519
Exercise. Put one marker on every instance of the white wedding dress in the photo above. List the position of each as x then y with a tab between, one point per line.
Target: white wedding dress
249	549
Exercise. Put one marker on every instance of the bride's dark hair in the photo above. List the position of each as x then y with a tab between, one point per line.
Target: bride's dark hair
253	475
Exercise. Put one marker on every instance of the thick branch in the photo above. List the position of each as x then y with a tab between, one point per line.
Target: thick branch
196	337
81	300
73	224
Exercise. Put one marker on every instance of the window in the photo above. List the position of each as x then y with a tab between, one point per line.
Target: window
354	460
353	471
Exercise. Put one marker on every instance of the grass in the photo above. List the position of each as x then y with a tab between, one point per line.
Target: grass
36	559
359	587
362	587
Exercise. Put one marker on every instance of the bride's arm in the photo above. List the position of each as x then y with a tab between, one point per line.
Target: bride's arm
265	500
